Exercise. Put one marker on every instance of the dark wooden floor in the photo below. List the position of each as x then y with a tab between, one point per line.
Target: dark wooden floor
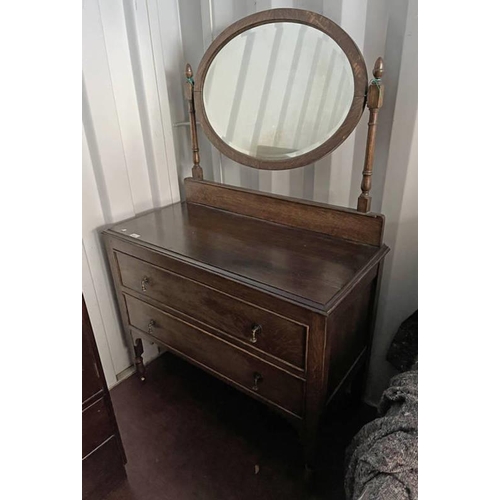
189	436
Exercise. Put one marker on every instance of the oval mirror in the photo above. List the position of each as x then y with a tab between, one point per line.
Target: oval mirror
280	89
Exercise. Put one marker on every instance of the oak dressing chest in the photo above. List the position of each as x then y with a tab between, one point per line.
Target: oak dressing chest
274	295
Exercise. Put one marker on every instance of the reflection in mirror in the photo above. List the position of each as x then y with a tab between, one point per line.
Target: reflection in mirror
278	90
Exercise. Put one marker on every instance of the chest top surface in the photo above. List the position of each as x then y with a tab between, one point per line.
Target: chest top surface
311	267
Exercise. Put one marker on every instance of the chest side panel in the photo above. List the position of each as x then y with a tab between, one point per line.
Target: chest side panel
348	332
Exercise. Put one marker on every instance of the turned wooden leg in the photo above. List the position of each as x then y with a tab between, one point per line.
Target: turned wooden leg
139	363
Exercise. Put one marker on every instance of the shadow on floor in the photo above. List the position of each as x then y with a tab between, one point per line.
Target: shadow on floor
189	436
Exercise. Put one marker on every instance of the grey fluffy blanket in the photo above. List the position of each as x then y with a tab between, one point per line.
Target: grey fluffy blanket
382	460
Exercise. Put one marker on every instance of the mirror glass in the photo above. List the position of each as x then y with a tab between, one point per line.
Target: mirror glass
278	90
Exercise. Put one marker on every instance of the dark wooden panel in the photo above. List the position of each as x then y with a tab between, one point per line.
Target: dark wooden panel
308	266
277	336
348	333
312	216
276	385
97	426
102	470
103	464
91	376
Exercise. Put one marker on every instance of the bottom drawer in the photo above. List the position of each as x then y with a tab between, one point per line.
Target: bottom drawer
248	372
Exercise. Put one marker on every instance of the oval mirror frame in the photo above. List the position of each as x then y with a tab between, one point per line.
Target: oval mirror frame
307	18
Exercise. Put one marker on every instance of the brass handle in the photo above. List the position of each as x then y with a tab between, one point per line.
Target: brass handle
144	282
152	324
255	330
257	378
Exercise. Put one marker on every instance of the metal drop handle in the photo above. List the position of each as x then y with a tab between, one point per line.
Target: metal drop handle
255	330
257	379
144	282
151	325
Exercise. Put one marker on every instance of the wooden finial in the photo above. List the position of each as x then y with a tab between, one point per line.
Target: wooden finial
378	69
188	94
374	101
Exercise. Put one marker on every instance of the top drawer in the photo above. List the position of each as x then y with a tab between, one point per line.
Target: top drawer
259	328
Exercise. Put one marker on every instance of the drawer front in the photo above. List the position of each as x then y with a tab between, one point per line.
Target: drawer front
102	470
96	426
245	370
258	328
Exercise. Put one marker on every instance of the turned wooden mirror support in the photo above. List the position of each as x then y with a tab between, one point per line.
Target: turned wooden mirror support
374	101
188	94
